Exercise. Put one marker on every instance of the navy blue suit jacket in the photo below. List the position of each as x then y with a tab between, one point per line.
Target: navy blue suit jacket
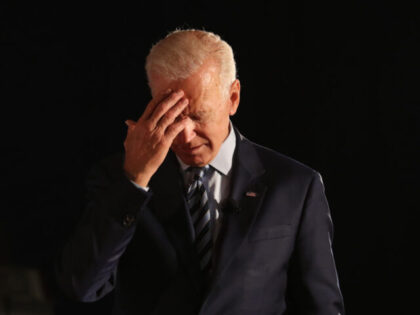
274	252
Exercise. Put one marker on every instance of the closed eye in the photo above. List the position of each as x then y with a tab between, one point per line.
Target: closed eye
195	117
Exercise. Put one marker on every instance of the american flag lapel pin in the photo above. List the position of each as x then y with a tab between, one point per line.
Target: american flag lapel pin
251	194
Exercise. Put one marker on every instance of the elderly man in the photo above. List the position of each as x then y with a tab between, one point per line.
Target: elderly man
193	218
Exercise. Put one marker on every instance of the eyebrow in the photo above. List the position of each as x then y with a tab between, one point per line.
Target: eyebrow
200	114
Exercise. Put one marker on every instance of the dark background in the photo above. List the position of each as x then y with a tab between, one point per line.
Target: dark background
331	84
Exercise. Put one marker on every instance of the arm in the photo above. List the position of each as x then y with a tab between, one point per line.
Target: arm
86	266
314	287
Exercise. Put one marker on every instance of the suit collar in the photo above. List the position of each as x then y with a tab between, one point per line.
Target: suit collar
247	167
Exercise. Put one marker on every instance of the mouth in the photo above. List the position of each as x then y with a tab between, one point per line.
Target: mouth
192	150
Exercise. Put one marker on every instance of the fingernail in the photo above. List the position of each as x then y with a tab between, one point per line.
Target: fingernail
168	91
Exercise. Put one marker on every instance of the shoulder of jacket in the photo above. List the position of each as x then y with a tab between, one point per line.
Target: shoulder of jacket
276	161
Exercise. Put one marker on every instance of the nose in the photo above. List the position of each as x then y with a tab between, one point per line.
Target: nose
188	134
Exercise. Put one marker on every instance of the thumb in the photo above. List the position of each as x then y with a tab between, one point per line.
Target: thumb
130	123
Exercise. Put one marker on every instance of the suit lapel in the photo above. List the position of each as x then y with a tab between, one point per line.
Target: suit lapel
247	192
169	205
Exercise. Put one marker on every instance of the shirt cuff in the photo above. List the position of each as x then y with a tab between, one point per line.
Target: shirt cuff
138	186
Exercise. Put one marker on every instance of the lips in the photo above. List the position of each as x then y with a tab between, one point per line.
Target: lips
192	149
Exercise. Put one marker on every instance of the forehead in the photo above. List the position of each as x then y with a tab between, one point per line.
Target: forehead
201	85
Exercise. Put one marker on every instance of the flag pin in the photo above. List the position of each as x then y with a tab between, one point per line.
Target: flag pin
251	194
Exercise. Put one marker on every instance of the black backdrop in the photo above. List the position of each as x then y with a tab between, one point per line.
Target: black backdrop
331	84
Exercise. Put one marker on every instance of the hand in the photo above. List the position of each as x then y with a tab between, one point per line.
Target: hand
149	139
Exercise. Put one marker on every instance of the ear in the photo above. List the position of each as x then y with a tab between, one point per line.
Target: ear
234	97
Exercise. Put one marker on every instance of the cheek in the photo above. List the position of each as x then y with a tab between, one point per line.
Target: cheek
209	135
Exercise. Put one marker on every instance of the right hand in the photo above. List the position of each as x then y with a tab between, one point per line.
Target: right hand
149	139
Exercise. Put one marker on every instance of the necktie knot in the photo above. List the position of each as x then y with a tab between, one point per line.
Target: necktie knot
199	173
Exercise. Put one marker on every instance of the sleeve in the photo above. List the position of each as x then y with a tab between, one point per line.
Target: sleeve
313	280
86	266
139	187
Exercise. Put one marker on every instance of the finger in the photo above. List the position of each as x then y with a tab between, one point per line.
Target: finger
130	122
155	101
173	130
164	106
172	114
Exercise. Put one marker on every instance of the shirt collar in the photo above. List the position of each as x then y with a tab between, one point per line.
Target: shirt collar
223	160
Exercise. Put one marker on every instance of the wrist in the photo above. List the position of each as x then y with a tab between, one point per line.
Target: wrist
140	179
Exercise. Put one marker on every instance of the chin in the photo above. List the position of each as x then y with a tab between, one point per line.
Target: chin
198	160
194	160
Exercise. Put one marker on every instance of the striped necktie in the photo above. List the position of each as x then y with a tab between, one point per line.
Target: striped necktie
198	202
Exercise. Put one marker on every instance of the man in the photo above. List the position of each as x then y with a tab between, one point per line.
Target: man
193	218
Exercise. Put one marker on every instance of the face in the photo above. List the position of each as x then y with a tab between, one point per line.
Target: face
207	113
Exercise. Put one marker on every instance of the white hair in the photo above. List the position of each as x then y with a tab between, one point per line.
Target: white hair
182	52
